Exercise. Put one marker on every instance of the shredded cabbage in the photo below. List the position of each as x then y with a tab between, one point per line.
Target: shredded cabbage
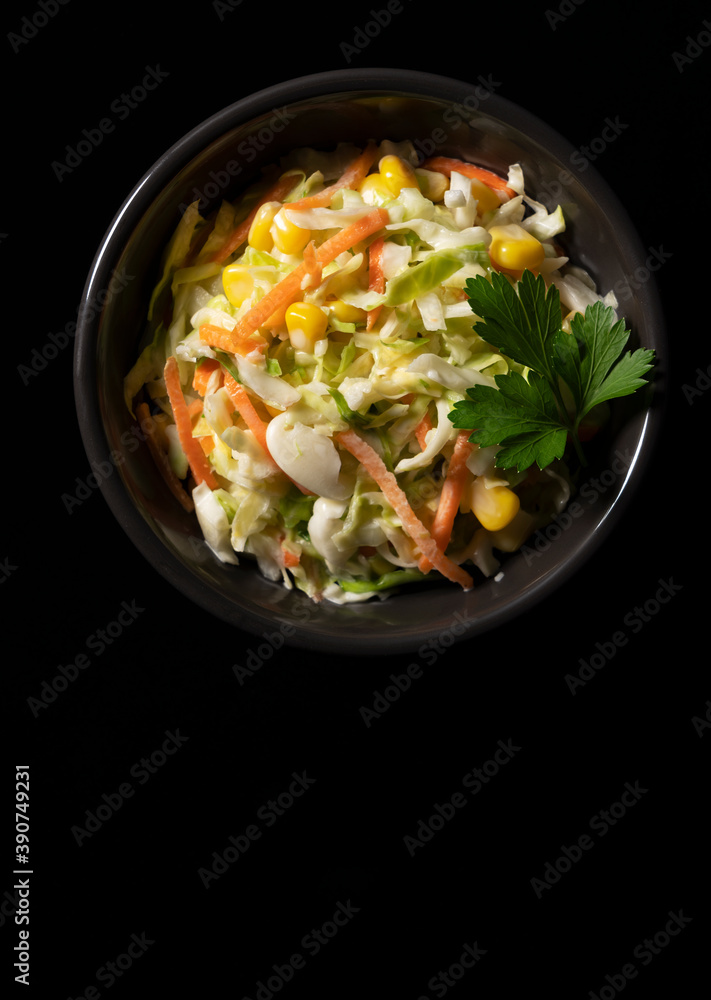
391	348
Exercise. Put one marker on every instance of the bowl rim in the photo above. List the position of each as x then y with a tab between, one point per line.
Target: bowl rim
143	195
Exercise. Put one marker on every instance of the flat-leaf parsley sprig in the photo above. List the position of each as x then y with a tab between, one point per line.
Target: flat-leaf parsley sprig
529	415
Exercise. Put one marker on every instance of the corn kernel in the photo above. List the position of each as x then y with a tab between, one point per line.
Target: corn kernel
511	537
259	232
431	183
487	200
397	174
513	249
288	237
566	327
238	283
347	313
495	507
306	323
374	190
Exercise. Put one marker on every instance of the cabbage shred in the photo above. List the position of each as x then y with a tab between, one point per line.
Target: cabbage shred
303	509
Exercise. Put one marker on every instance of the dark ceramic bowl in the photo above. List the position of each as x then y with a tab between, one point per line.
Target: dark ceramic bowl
223	155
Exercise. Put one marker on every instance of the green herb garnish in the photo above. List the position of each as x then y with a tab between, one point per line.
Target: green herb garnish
228	364
532	415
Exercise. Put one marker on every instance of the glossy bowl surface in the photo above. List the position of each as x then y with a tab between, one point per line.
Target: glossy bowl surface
223	155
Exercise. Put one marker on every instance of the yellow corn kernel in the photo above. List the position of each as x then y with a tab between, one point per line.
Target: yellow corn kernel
495	507
431	183
514	534
259	232
347	313
374	190
397	174
487	200
238	283
306	323
288	237
513	249
566	327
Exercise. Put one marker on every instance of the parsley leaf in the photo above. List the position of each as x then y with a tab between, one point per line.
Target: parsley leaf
521	322
520	415
526	414
587	359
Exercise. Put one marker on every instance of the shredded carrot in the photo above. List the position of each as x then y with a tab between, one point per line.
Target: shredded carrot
287	290
270	309
451	495
421	430
311	278
224	340
376	469
277	192
350	178
203	371
183	421
148	427
313	265
195	408
290	558
207	443
243	404
372	317
446	164
376	278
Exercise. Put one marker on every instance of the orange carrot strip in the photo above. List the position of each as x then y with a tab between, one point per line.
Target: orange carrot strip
451	495
203	371
312	263
244	406
376	469
147	425
421	430
223	340
446	164
311	278
376	278
350	178
197	461
287	290
290	558
274	303
195	408
277	192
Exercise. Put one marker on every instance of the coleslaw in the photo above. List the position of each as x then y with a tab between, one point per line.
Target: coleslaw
304	349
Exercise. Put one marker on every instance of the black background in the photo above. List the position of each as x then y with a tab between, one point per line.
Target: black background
66	575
